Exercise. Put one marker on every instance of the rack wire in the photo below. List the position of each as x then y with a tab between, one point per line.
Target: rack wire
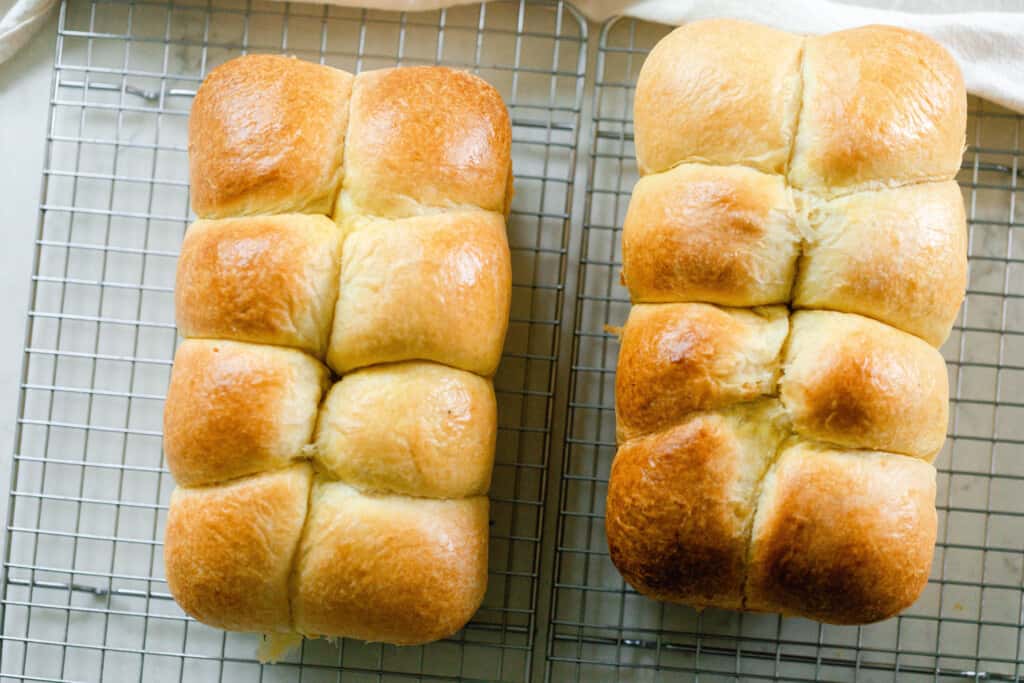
969	623
84	595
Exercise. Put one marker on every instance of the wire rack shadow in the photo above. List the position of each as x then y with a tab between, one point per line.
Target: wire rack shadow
84	594
969	624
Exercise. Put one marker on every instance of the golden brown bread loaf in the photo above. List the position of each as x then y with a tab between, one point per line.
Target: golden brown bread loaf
357	221
768	460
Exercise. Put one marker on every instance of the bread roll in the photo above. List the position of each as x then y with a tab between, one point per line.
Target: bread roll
678	222
434	287
681	503
418	429
426	138
228	549
266	135
389	568
234	409
678	358
265	279
844	537
881	106
899	256
718	91
858	383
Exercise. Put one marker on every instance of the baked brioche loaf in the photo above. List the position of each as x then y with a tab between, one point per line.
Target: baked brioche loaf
354	225
769	460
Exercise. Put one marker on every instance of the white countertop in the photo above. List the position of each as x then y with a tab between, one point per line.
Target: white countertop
24	98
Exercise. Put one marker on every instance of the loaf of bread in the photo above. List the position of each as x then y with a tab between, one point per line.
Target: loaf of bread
795	252
351	231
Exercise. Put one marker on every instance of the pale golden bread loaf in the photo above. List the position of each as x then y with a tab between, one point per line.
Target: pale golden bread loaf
899	256
855	382
677	226
434	287
389	568
266	135
881	106
419	429
681	502
423	138
721	92
678	358
844	537
233	409
229	548
815	172
265	279
359	220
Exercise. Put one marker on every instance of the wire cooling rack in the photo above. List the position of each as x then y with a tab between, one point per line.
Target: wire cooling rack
84	595
969	623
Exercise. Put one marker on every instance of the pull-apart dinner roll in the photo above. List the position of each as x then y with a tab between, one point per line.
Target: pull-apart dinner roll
899	256
265	279
681	503
234	409
721	92
229	548
419	429
266	135
840	536
389	568
882	106
678	358
434	287
423	139
852	381
679	223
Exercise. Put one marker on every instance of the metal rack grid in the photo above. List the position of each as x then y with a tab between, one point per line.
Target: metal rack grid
969	623
84	595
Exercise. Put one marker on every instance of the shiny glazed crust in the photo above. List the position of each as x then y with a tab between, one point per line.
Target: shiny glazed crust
681	502
266	135
844	537
235	409
418	429
678	222
678	358
389	568
881	106
899	256
426	137
264	279
734	102
855	382
435	287
228	549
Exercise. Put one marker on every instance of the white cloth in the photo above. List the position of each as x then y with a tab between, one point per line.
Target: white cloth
988	45
20	23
